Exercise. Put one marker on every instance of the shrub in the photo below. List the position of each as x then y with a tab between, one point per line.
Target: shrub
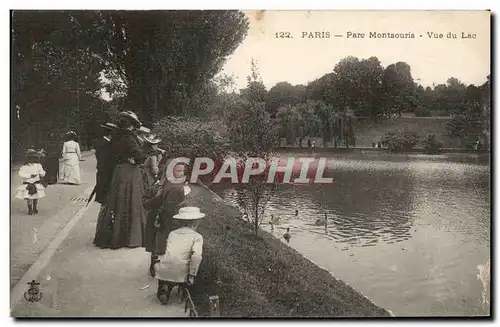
400	140
192	137
431	145
423	112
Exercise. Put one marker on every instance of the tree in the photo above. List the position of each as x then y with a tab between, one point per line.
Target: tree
326	118
283	94
166	57
56	74
431	145
399	88
253	135
468	126
256	90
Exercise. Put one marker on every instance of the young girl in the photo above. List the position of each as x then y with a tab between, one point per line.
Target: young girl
179	265
32	189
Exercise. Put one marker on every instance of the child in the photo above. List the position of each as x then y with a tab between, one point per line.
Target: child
162	201
32	188
179	265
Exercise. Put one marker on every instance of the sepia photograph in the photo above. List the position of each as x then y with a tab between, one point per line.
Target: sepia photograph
250	164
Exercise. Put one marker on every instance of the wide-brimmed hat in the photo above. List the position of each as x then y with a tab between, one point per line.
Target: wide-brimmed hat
189	213
152	139
32	153
71	133
144	130
130	115
109	126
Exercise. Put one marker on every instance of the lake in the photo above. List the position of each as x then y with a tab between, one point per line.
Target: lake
407	231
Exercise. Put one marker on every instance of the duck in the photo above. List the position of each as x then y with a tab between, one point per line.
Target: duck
296	212
321	222
275	221
287	235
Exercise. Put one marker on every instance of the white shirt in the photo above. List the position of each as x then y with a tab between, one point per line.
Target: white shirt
182	256
33	168
71	147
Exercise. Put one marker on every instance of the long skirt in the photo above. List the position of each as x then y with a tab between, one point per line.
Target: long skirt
123	219
155	236
71	168
51	165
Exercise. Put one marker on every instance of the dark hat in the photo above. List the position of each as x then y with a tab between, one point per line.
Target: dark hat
32	153
109	126
130	115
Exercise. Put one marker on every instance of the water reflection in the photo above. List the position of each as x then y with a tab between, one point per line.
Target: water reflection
362	208
408	231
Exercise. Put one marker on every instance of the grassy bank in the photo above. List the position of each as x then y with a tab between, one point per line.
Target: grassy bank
263	277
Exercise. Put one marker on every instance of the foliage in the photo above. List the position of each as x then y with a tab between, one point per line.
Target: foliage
400	140
431	145
398	82
253	134
468	125
55	83
166	57
159	62
284	94
423	112
192	137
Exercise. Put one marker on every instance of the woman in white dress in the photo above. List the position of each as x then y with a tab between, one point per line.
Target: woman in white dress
71	157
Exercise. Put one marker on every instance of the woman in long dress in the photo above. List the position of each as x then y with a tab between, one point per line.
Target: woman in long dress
71	157
124	216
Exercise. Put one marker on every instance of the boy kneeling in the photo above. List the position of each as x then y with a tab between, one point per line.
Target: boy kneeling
179	265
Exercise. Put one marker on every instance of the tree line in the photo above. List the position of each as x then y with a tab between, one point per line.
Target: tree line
152	62
329	106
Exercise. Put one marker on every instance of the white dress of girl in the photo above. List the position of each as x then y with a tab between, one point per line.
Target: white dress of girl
25	172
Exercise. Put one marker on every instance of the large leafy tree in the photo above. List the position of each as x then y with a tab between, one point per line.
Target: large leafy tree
55	74
157	62
166	57
399	88
284	93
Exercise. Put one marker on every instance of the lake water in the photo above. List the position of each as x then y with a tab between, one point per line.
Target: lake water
407	231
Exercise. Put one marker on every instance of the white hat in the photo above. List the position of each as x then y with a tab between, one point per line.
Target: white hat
144	129
152	139
189	213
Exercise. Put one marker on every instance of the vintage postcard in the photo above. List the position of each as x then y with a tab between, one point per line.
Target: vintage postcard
250	163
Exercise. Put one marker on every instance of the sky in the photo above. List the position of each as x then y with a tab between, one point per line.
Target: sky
300	60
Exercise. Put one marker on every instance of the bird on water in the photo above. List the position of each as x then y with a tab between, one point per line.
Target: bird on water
287	235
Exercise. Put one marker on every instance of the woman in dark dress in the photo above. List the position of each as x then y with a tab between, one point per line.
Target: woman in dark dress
124	217
105	168
163	201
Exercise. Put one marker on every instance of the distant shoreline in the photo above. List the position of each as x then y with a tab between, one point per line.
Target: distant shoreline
297	149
